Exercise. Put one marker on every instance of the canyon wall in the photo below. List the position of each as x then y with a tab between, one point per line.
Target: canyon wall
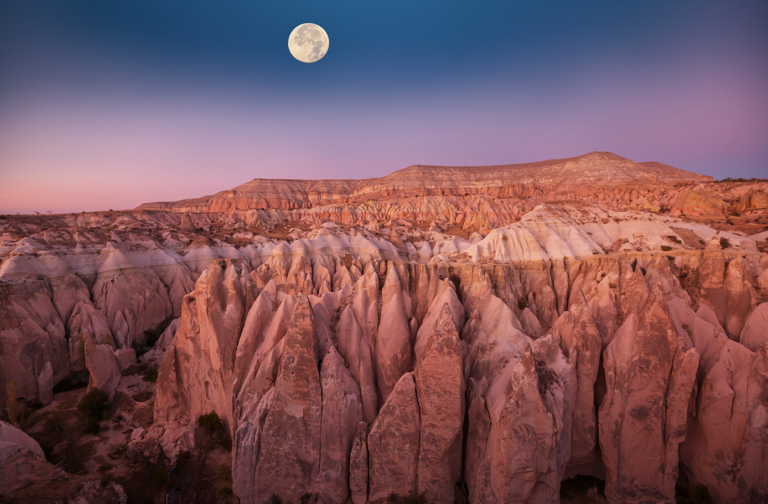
462	334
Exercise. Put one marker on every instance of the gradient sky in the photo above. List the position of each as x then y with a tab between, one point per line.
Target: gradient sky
109	104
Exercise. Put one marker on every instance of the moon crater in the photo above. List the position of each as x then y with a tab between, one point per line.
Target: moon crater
308	42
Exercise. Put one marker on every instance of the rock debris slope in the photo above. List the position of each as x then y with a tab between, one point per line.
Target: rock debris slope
477	334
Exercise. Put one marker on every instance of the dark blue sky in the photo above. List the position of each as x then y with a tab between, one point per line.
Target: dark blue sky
113	103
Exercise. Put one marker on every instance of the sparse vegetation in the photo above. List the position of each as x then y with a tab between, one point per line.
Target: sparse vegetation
72	461
412	498
522	303
224	473
211	422
54	424
275	499
53	433
150	375
699	494
546	377
634	264
753	179
666	248
724	243
92	407
119	451
152	336
674	239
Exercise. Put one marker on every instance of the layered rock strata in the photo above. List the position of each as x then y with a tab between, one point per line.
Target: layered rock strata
448	332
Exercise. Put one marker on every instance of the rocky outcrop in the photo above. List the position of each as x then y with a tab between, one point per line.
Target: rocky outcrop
358	466
134	300
434	332
86	322
342	415
157	354
727	437
755	332
32	335
197	373
649	376
22	462
577	334
594	170
392	348
103	368
289	454
697	202
440	391
393	443
519	446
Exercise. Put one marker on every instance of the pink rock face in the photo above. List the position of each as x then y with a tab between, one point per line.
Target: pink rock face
449	330
197	373
133	300
440	391
103	369
265	326
649	376
393	443
358	466
86	321
31	335
577	334
342	414
634	290
529	405
22	461
290	440
714	450
392	348
739	296
755	332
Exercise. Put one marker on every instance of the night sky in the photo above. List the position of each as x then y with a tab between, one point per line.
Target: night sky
109	104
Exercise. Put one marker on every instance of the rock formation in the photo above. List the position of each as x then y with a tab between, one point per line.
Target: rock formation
649	376
459	333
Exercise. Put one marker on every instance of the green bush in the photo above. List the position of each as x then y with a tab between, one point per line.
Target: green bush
211	422
275	499
92	406
666	248
724	243
674	239
150	375
55	425
182	460
634	264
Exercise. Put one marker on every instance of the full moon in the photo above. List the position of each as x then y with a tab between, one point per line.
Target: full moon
308	42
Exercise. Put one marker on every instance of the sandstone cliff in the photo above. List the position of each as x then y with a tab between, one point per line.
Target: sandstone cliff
477	333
